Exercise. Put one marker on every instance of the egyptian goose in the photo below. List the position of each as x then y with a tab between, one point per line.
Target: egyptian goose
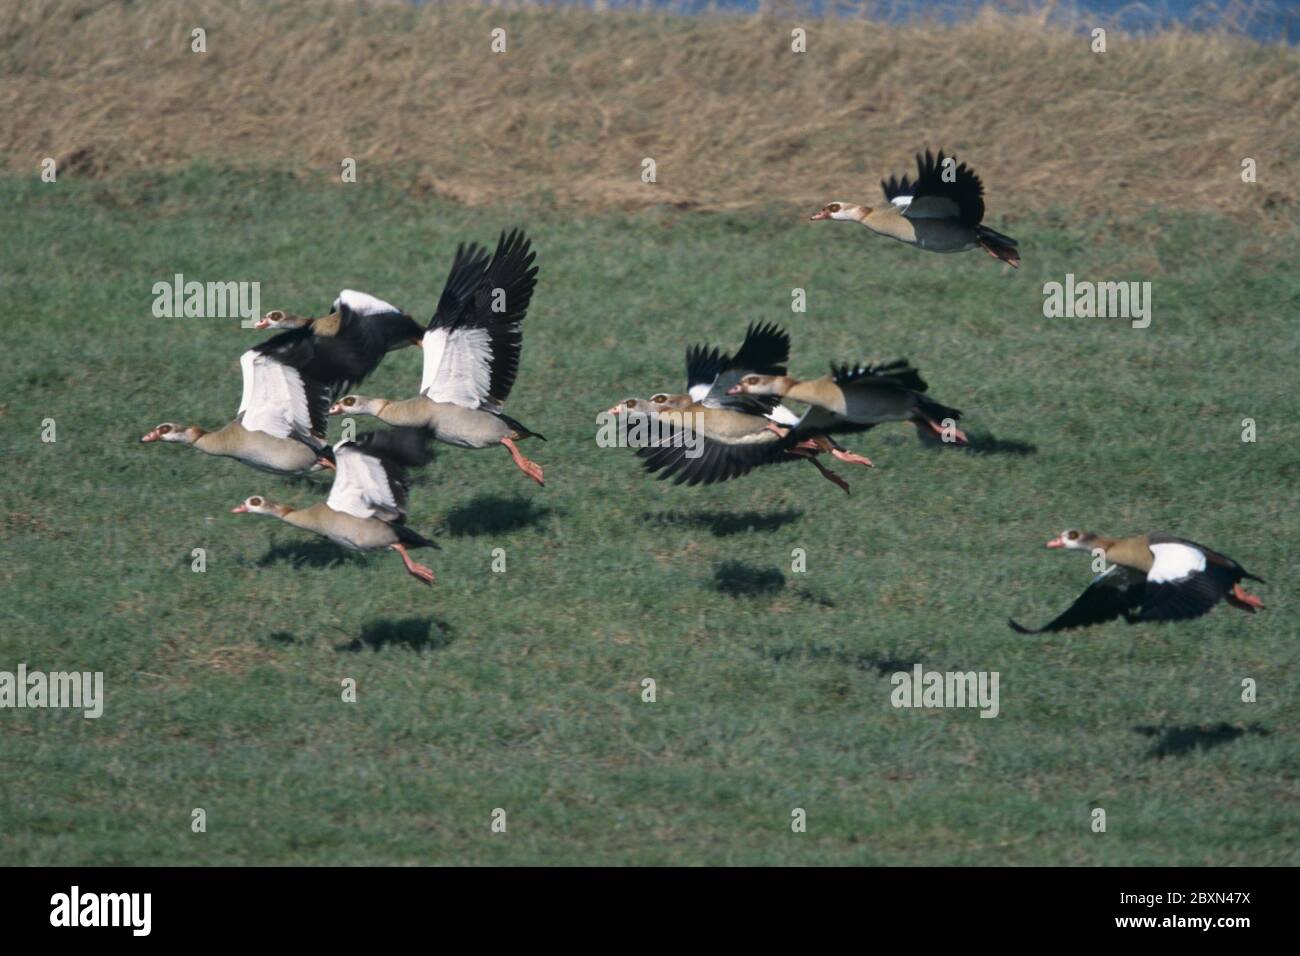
367	504
280	425
471	357
941	212
700	444
857	398
1153	577
711	373
345	346
394	326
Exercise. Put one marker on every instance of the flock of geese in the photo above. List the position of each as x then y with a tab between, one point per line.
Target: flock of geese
292	382
732	418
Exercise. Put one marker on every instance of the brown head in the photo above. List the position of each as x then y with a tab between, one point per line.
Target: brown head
665	400
841	210
762	385
1075	540
279	319
358	405
258	505
170	431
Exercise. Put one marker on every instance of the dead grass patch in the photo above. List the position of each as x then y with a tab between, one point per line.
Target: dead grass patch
731	116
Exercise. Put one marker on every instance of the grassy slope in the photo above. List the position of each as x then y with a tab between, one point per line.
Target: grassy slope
523	692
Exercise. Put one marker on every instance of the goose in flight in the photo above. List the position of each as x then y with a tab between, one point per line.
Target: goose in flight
942	211
471	357
367	504
1152	577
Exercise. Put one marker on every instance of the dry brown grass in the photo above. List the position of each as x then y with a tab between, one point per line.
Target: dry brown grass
730	115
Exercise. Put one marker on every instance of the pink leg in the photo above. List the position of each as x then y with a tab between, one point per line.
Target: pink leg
851	458
529	468
957	433
831	476
1243	599
417	571
826	473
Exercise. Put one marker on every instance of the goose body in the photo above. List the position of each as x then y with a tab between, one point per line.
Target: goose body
710	375
280	425
942	211
367	506
471	355
698	444
860	397
1153	577
345	346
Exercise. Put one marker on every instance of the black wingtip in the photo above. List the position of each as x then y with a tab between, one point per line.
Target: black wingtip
1020	629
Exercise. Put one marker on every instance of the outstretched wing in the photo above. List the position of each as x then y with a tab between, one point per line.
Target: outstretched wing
942	190
689	455
1183	583
1112	594
765	351
280	400
471	350
371	473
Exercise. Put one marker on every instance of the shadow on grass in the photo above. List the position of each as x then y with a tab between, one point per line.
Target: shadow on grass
816	652
1177	741
309	554
413	633
985	444
737	579
494	514
722	524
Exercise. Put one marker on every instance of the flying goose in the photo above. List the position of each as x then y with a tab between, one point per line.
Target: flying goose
280	425
391	324
345	346
941	212
1153	577
471	357
367	505
700	444
712	373
860	397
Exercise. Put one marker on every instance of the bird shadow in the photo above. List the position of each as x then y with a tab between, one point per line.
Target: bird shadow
739	580
984	443
1177	741
413	633
309	554
493	514
813	652
722	524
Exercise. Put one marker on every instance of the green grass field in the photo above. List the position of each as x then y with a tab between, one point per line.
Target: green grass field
522	690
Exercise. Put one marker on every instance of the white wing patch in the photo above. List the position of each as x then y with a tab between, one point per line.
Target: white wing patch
902	202
361	486
362	303
458	367
1174	562
700	392
783	415
274	399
